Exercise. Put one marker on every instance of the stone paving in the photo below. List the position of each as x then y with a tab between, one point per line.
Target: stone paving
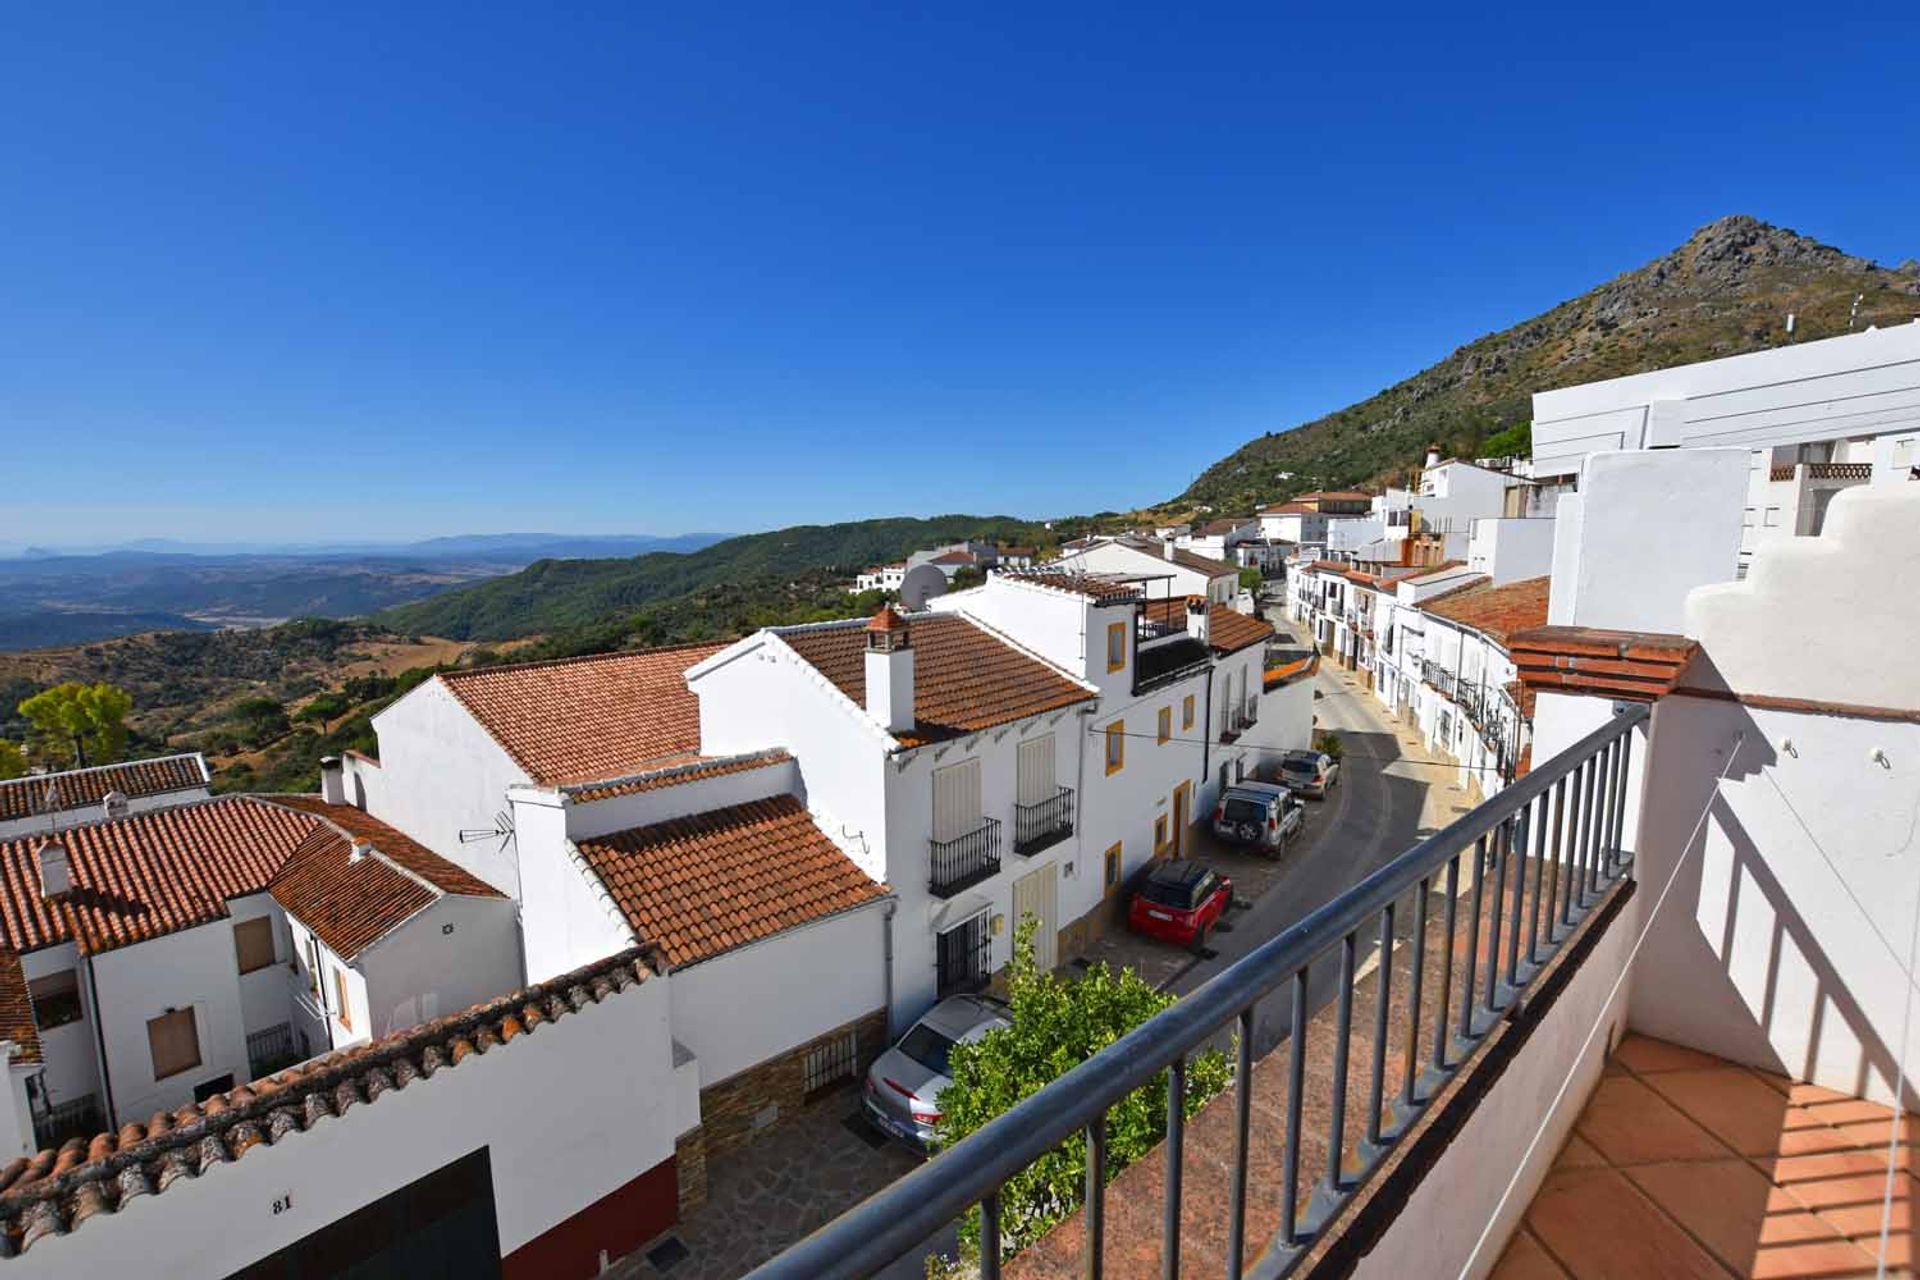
768	1194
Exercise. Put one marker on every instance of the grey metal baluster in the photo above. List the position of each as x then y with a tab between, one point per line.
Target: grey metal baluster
1242	1127
1471	957
1502	837
1619	826
1343	1037
1587	815
1096	1198
1383	996
1603	818
1544	811
1415	981
990	1236
1440	1028
1296	1086
1176	1142
1517	855
1573	844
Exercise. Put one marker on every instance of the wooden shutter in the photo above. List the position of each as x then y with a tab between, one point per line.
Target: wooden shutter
956	800
174	1042
1034	765
253	943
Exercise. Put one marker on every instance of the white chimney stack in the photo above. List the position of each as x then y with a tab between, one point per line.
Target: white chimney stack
1433	455
333	780
56	872
1167	548
889	671
1199	624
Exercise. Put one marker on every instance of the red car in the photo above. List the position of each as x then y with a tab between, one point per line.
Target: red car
1179	903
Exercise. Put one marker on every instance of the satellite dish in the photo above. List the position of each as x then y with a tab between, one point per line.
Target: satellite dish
922	583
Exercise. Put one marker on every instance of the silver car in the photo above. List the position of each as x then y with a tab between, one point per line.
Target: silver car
1260	814
1309	773
904	1083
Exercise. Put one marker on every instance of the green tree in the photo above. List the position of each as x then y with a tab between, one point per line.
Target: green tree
1515	441
13	761
1251	579
1059	1023
88	720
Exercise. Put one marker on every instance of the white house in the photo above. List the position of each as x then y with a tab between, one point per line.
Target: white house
1216	539
1816	418
43	802
166	955
882	577
1180	573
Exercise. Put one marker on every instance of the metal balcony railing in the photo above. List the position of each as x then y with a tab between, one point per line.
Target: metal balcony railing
1839	471
1439	677
1044	823
272	1049
965	860
1780	473
1548	847
79	1118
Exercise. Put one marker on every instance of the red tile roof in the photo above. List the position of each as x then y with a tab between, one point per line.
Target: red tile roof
159	872
1289	509
701	885
1228	630
693	769
1641	666
59	1191
588	719
16	1010
82	788
1091	585
1497	612
965	678
955	557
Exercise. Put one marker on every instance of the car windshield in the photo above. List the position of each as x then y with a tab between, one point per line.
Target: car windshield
1298	766
928	1048
1239	811
1181	897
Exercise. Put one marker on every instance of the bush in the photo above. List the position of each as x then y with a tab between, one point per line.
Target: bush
324	707
1329	742
1251	579
1057	1024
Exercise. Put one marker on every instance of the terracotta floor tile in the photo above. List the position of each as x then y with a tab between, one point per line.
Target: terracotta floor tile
1818	1258
1629	1123
1599	1225
1578	1154
1859	1220
1644	1054
1805	1095
1732	1105
1526	1259
1850	1111
1866	1188
1792	1171
1875	1133
1732	1209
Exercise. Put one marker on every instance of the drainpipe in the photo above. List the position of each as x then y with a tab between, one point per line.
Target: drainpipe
100	1039
1206	737
886	955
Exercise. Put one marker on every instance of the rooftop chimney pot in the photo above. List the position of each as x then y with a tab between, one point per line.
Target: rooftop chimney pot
333	780
889	671
56	869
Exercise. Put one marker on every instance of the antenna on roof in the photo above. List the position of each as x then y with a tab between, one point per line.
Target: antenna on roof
502	830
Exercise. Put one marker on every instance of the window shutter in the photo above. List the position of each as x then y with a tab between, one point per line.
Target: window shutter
956	800
174	1042
1035	768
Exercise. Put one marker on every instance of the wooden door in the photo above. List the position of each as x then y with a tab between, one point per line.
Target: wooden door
1036	895
1182	817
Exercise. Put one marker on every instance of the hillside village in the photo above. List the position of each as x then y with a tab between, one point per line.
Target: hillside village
615	962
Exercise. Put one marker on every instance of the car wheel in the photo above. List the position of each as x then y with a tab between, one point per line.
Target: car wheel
1200	937
1249	832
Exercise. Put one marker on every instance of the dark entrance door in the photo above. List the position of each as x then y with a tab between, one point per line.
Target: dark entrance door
438	1228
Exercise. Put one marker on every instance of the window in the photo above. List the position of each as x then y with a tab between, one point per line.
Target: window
1113	862
1116	746
345	1010
1166	723
253	943
175	1043
1116	646
56	999
1160	835
1186	712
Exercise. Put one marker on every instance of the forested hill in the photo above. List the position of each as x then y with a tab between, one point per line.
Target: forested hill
1727	290
757	569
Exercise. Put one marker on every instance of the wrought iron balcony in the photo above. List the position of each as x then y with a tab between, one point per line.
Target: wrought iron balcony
1044	823
1839	471
965	860
1439	677
1541	857
272	1049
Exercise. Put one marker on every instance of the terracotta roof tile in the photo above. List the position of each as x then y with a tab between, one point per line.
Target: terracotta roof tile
1588	660
1103	590
16	1009
701	885
57	1192
1497	612
673	773
965	678
1228	630
82	788
441	873
588	719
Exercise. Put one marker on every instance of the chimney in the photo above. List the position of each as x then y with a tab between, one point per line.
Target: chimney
333	780
889	671
56	872
1167	548
1433	455
1199	623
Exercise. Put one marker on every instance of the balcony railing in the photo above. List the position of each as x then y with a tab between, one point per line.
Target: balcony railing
1839	471
79	1118
1439	677
966	860
1044	823
1548	846
272	1049
1780	473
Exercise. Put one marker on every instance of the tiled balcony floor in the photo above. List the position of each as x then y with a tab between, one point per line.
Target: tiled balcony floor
1686	1165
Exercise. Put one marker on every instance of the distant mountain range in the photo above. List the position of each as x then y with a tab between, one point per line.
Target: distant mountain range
1727	290
60	598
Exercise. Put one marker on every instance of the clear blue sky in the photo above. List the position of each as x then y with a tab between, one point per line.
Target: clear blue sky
650	268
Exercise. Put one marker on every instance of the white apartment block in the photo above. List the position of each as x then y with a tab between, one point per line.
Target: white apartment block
1170	570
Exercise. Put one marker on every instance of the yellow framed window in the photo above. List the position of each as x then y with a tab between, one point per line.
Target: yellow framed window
1161	835
1186	712
1116	646
1116	746
1113	865
1166	723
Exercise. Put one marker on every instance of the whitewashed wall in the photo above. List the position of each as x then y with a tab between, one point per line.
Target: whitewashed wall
71	1053
441	773
569	1113
328	1030
567	918
586	819
454	953
195	968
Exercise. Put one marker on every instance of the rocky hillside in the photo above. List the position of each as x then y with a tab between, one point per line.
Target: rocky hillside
1727	290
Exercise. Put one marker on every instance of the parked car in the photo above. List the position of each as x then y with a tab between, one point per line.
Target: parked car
903	1085
1310	773
1261	815
1179	902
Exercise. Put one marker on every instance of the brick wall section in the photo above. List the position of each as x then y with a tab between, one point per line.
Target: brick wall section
690	1159
732	1111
